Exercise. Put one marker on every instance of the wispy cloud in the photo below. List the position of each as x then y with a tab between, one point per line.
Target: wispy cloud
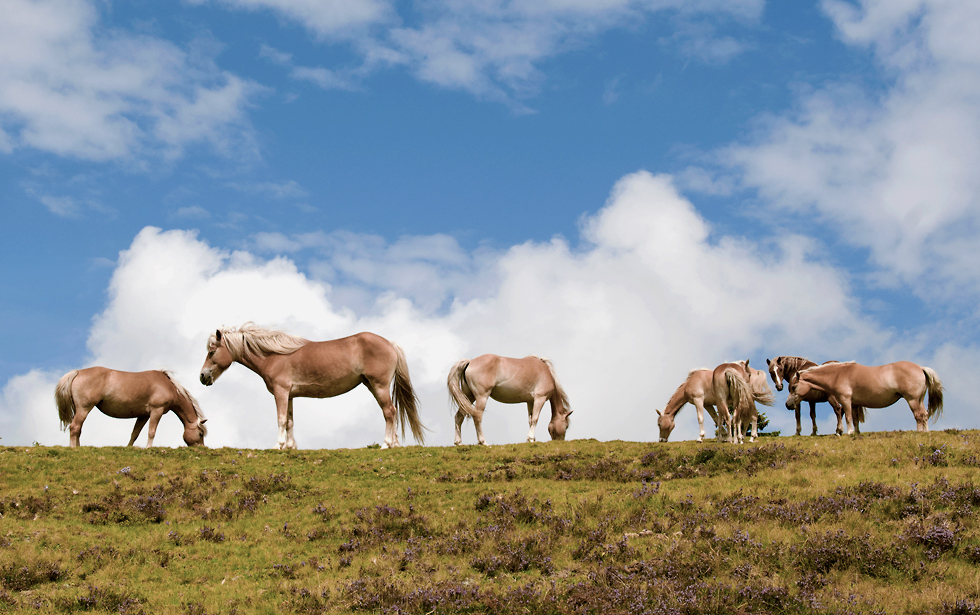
70	88
892	171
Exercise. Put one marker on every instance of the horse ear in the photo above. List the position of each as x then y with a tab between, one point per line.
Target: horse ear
746	363
569	414
203	421
217	335
659	413
767	362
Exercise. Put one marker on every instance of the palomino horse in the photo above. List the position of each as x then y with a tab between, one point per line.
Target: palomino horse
784	369
698	390
144	396
295	367
530	380
741	386
734	384
849	385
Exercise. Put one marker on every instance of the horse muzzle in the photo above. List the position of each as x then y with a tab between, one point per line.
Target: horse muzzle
207	379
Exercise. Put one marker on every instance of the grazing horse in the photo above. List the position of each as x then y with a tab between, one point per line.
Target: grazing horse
698	390
530	380
144	396
738	386
784	369
296	367
728	385
849	385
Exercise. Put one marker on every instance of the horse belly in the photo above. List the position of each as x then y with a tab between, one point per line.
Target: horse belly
327	387
874	399
508	395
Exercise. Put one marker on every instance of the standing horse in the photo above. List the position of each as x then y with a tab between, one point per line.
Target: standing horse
739	386
785	368
530	380
698	390
145	396
296	367
849	385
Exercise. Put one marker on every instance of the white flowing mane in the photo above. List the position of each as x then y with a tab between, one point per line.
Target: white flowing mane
250	340
559	390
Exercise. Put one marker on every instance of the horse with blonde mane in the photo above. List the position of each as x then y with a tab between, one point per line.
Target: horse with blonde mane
698	390
296	367
849	385
738	387
144	396
784	369
531	380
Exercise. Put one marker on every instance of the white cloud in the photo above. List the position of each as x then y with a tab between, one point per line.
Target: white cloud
334	18
492	49
891	171
73	89
651	293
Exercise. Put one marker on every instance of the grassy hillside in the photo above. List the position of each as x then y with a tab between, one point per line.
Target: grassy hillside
879	523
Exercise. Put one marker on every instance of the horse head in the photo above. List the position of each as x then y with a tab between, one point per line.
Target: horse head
194	433
217	361
776	372
558	426
666	424
796	383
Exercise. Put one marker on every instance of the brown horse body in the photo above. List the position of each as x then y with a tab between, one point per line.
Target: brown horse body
737	388
698	390
531	380
731	387
296	367
784	369
144	396
848	385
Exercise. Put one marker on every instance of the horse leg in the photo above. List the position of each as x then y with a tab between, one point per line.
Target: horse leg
699	406
920	414
813	416
479	405
710	409
282	414
75	428
140	421
533	412
460	417
154	418
726	416
840	415
755	426
799	425
845	406
290	441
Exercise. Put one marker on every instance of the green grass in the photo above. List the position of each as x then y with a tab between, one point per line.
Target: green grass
879	523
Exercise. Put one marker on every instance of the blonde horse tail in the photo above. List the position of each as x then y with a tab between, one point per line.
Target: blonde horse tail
935	387
857	413
64	399
739	393
457	398
183	392
404	398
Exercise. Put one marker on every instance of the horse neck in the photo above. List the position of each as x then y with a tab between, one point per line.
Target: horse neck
677	400
794	365
259	364
184	409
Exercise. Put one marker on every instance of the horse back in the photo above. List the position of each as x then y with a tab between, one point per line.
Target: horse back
122	394
510	380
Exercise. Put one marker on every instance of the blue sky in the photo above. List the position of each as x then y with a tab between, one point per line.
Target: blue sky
632	188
